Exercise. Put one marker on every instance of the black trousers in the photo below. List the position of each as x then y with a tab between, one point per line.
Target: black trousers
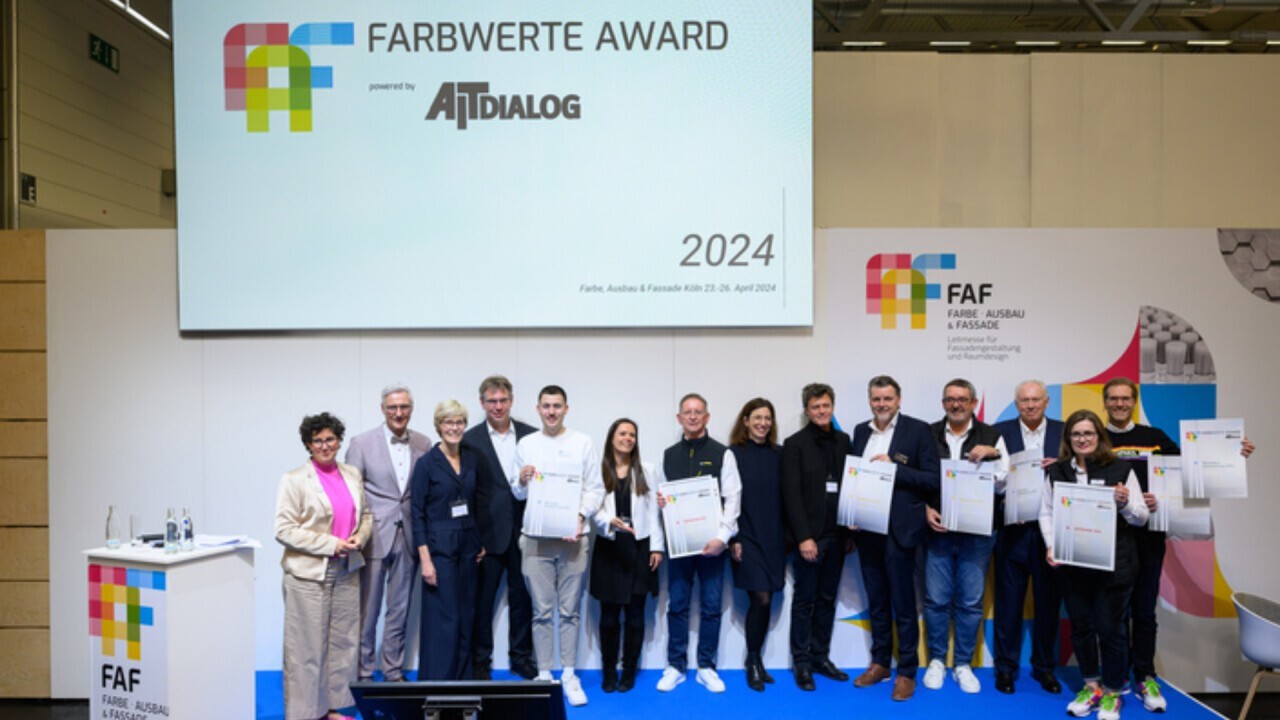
888	572
519	608
611	628
1097	603
1142	608
1019	558
813	601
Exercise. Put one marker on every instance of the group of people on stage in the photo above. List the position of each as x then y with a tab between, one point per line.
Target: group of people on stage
454	514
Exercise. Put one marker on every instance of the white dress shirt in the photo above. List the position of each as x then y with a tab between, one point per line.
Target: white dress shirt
400	457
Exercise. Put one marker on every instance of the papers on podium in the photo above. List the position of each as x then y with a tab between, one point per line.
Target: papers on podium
1023	487
1084	526
554	496
968	496
1187	519
691	516
1212	465
866	494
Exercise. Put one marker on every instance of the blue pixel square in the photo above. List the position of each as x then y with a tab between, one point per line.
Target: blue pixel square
322	76
157	580
146	616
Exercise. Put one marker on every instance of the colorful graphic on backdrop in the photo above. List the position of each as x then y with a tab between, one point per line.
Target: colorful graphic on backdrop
255	52
116	610
892	275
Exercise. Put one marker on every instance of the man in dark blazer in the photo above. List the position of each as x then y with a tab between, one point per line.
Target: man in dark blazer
889	561
498	515
1020	556
812	464
385	457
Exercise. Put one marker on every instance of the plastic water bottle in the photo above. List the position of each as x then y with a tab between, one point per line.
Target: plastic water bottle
188	531
113	529
170	534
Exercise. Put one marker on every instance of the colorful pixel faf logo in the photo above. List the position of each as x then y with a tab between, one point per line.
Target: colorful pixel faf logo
252	51
116	612
896	286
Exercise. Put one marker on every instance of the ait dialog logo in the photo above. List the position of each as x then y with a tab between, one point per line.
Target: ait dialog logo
896	286
267	68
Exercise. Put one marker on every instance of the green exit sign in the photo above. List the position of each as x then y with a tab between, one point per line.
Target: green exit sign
104	53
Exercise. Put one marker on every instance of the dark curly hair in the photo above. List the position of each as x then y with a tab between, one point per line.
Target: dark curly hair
313	424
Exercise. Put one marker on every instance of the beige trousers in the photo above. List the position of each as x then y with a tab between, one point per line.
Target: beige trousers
321	642
555	572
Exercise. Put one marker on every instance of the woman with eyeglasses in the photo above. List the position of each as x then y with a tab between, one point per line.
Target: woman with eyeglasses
443	503
1096	600
627	553
322	520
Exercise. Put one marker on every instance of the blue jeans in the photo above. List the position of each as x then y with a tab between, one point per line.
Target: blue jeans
955	572
680	572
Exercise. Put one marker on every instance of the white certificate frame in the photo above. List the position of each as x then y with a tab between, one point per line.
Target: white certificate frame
968	496
554	498
691	515
1212	466
866	494
1024	486
1084	526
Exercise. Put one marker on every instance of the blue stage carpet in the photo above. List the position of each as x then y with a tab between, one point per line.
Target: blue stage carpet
832	699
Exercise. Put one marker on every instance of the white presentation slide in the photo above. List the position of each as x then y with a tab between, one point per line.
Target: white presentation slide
493	163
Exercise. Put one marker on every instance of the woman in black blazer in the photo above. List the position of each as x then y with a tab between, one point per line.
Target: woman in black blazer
443	491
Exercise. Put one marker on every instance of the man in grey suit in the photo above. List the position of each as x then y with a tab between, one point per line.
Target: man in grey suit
385	456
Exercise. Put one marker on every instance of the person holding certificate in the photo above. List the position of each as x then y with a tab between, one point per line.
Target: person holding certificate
695	455
628	551
1020	555
565	462
955	570
758	551
1134	442
813	461
889	561
443	504
1097	600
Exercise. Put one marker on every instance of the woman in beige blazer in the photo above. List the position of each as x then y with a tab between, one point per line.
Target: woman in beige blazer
322	520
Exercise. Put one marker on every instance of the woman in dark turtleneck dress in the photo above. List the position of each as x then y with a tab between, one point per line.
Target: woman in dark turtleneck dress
759	548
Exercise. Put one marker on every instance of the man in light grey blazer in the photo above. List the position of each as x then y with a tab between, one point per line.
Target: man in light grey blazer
385	456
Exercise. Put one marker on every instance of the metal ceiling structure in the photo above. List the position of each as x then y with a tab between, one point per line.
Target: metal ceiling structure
1010	26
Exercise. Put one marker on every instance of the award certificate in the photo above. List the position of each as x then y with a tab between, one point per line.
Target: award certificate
1023	487
1084	526
691	516
968	496
554	496
1175	514
866	495
1212	465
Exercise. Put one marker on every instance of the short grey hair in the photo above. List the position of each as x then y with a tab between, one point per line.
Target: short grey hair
961	383
1038	383
394	388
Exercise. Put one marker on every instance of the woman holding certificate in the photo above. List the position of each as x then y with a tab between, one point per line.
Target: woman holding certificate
628	551
322	520
1096	598
759	550
443	501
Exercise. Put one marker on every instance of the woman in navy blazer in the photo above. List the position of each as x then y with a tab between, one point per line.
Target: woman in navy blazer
443	490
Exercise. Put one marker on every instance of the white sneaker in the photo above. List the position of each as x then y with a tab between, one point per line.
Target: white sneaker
934	675
966	679
708	678
573	693
543	676
1152	700
671	677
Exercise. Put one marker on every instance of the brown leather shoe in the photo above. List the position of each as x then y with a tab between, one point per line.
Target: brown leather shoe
875	674
903	688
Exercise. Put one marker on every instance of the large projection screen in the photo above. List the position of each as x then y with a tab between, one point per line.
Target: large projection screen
493	163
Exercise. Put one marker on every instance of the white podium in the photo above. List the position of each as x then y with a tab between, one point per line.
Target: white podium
171	636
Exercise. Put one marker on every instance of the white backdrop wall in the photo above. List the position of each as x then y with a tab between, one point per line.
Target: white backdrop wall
144	418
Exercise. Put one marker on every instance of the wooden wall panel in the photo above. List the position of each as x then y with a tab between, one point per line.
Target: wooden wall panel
24	485
23	255
26	553
24	439
23	378
24	604
24	665
22	322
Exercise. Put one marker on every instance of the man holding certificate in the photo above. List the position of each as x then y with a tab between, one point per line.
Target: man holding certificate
698	457
1134	442
1088	535
812	462
956	558
889	561
559	476
1033	441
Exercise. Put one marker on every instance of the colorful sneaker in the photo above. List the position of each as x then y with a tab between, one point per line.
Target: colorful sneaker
1086	701
1109	708
935	674
1152	700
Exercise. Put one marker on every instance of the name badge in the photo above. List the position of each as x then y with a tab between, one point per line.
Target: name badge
1097	481
833	487
459	509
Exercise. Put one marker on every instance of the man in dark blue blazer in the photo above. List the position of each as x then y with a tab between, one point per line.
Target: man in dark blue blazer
1020	556
498	516
889	561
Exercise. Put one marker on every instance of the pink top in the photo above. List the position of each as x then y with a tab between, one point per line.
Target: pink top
344	508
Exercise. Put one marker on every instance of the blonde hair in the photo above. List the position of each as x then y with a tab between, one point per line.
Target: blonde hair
449	409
